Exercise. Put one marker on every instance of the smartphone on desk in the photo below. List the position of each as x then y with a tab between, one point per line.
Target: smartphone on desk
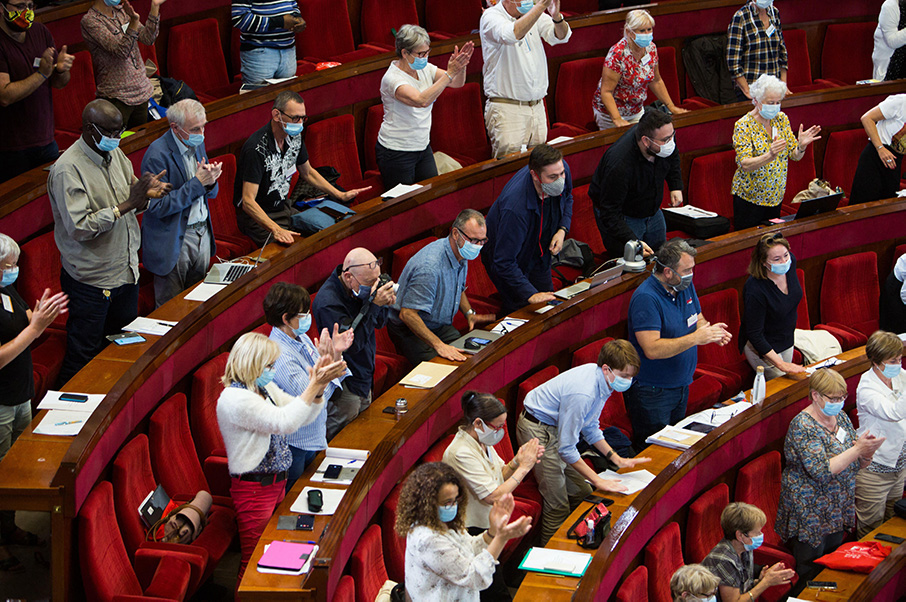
126	338
333	472
75	397
830	585
305	522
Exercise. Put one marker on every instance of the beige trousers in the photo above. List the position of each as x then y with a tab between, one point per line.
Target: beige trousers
876	493
511	126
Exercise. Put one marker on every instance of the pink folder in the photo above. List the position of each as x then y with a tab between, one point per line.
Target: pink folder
285	556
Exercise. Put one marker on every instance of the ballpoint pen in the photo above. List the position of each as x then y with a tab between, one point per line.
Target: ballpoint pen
69	422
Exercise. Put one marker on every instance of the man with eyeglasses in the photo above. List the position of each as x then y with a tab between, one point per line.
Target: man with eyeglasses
527	225
432	289
177	233
355	298
94	197
29	67
628	186
268	160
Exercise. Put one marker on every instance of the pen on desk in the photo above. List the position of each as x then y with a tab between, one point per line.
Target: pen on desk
69	422
166	324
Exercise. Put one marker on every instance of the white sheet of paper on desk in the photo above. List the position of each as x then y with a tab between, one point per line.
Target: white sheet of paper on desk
508	324
717	416
543	559
204	291
52	401
331	501
62	422
635	481
278	80
345	457
149	326
559	139
831	361
691	211
400	190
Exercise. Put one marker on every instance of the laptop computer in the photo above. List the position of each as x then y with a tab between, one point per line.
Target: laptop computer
607	272
810	207
230	271
475	341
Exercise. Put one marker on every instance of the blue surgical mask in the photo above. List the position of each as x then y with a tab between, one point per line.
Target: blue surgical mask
890	370
831	408
193	140
419	63
106	143
525	6
711	598
364	292
447	513
769	112
643	39
304	325
764	3
293	129
112	2
266	377
781	268
469	250
9	276
756	543
620	384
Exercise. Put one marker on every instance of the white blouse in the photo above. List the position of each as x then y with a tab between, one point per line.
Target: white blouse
449	566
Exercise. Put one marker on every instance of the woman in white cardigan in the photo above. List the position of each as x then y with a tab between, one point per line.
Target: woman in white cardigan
255	416
881	402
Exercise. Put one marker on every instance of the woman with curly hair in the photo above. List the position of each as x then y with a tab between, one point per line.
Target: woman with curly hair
444	562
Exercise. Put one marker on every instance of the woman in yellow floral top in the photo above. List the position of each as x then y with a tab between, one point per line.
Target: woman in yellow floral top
764	144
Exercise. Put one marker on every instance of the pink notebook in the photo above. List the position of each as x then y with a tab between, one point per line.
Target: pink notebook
285	556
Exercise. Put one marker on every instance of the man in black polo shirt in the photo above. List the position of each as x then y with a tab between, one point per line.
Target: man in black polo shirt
628	185
268	160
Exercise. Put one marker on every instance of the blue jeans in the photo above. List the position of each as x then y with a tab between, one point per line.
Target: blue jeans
301	459
652	408
652	230
259	64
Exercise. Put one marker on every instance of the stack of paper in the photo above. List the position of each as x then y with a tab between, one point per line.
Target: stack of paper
149	326
714	417
831	361
634	481
400	190
690	211
557	562
675	438
350	459
330	501
66	418
508	324
427	375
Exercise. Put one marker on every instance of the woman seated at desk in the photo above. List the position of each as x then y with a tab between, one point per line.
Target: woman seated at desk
693	583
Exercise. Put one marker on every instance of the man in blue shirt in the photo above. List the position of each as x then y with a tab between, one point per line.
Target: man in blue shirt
560	411
267	38
665	326
432	289
350	291
526	226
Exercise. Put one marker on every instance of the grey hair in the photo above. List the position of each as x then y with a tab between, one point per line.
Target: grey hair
410	36
180	112
670	253
465	215
638	19
8	248
284	98
766	84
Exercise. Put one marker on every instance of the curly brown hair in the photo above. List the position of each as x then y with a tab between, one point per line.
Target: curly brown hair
418	500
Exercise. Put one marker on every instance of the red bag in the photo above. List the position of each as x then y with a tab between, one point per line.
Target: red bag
858	556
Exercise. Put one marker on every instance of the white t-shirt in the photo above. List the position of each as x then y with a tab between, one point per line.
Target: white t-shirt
482	473
893	108
887	37
515	69
405	128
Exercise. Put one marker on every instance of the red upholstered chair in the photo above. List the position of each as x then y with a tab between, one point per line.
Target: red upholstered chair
584	227
846	54
703	530
231	242
666	56
345	591
799	74
195	56
635	587
373	119
367	565
379	17
710	180
663	555
397	365
379	381
576	83
799	174
704	392
453	18
481	289
39	260
206	388
105	569
436	451
69	101
394	545
535	380
339	45
849	296
725	363
841	155
457	124
402	255
332	142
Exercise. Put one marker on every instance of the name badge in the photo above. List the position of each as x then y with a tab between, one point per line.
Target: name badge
646	59
37	62
291	172
841	435
7	303
692	320
770	30
126	28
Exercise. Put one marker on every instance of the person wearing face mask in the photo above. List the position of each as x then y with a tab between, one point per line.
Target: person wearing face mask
630	69
693	583
770	299
94	196
255	417
561	411
881	405
627	187
267	162
764	143
177	233
486	477
817	489
287	308
666	326
514	70
443	562
755	46
354	289
408	90
526	227
731	560
26	102
112	29
432	289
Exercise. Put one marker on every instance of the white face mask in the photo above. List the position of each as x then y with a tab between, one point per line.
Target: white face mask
488	435
667	148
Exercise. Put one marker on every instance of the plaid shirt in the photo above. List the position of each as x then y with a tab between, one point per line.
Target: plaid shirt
750	51
732	569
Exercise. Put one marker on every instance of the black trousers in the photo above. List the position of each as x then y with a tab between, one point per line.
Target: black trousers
892	309
873	180
404	167
13	163
415	349
749	215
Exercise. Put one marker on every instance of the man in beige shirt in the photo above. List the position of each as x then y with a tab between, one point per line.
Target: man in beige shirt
94	196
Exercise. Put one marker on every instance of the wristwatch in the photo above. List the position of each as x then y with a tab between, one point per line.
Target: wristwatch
470	312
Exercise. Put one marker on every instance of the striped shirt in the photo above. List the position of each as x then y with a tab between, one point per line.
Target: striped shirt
260	23
751	52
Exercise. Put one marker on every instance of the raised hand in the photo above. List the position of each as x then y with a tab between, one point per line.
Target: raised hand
47	309
777	147
156	188
341	341
130	12
777	574
808	136
530	453
324	371
868	444
204	174
64	60
45	67
716	333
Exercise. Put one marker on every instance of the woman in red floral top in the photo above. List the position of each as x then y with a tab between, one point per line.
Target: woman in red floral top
630	69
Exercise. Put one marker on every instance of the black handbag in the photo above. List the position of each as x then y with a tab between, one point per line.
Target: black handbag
592	527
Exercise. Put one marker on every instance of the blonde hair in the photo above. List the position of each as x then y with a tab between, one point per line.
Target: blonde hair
827	382
883	346
638	19
739	516
250	354
693	579
760	253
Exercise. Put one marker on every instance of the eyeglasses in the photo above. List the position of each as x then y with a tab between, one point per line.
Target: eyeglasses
492	427
295	118
834	399
26	6
110	133
421	55
475	241
370	265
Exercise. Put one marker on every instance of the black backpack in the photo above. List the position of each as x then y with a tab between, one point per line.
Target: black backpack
174	90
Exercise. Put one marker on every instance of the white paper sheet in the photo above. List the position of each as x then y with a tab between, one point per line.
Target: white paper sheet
52	401
717	416
508	324
559	139
635	481
542	559
149	326
278	80
331	499
400	190
62	422
345	457
831	361
691	211
204	291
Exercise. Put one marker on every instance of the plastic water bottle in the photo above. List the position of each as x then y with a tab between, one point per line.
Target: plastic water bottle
758	388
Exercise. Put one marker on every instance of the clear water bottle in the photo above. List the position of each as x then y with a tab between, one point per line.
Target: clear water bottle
758	388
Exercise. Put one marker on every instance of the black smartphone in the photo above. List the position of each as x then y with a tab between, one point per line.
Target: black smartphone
332	472
555	302
315	500
305	522
822	585
76	397
597	499
889	537
389	410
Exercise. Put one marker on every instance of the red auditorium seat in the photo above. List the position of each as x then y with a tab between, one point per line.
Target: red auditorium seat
535	380
332	142
634	587
663	555
339	45
703	530
803	321
725	363
576	83
206	388
799	74
436	452
345	591
379	17
402	255
453	18
105	570
710	181
195	44
231	242
799	174
379	381
841	155
69	101
367	565
373	119
666	56
846	54
394	546
482	291
704	392
849	296
584	227
457	125
579	7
